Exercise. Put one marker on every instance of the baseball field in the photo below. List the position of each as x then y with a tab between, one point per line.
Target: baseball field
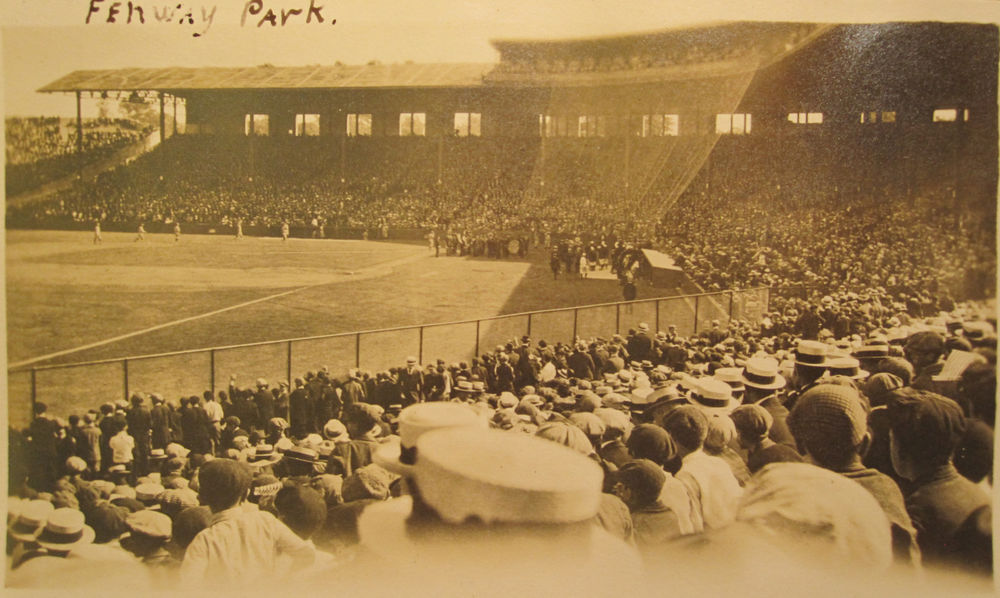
70	300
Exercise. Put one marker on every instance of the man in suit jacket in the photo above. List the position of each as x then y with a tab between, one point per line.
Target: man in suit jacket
640	344
300	410
411	382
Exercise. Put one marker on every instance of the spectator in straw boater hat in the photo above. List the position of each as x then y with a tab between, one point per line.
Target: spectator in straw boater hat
871	353
810	366
849	367
713	396
26	526
263	456
734	378
465	511
65	531
300	462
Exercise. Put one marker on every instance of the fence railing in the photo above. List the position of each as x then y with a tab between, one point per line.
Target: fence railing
76	387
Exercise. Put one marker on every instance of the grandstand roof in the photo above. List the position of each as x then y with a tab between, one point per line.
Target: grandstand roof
275	77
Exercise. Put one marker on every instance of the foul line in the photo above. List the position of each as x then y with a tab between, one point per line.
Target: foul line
373	268
157	327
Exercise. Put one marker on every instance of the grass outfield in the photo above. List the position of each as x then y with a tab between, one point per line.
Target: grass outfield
69	301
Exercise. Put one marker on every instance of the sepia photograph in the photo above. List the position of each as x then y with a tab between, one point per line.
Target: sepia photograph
471	298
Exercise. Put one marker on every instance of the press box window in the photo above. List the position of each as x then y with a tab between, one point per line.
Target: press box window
306	125
359	125
468	124
660	125
412	123
732	124
256	124
553	126
806	118
950	115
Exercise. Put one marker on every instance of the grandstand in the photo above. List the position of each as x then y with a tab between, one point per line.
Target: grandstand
635	119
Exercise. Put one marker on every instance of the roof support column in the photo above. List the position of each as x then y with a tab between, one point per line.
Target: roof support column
440	159
175	114
163	122
79	125
343	158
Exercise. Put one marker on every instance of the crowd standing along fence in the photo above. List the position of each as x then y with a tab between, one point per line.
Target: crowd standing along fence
76	387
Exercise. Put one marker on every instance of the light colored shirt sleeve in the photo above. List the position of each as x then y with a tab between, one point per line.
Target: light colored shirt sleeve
302	553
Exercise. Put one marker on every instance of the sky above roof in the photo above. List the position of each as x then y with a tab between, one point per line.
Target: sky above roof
47	39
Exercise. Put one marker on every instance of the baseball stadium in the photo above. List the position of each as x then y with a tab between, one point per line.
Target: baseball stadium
721	262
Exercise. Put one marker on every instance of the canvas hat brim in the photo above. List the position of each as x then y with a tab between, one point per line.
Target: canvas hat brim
387	455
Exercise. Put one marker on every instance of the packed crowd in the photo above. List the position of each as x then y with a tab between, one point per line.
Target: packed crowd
42	149
854	432
825	239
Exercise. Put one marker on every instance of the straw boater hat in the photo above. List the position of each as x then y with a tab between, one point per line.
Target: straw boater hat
30	520
399	454
713	396
872	349
762	373
847	366
65	530
263	455
811	354
731	376
302	454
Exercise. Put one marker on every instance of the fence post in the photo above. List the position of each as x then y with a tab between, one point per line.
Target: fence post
357	350
289	378
477	339
618	318
211	370
696	298
732	294
34	392
657	304
125	376
576	314
529	325
420	347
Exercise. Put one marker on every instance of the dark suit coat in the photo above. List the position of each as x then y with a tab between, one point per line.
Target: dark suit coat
411	383
640	347
941	503
581	365
264	399
300	412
